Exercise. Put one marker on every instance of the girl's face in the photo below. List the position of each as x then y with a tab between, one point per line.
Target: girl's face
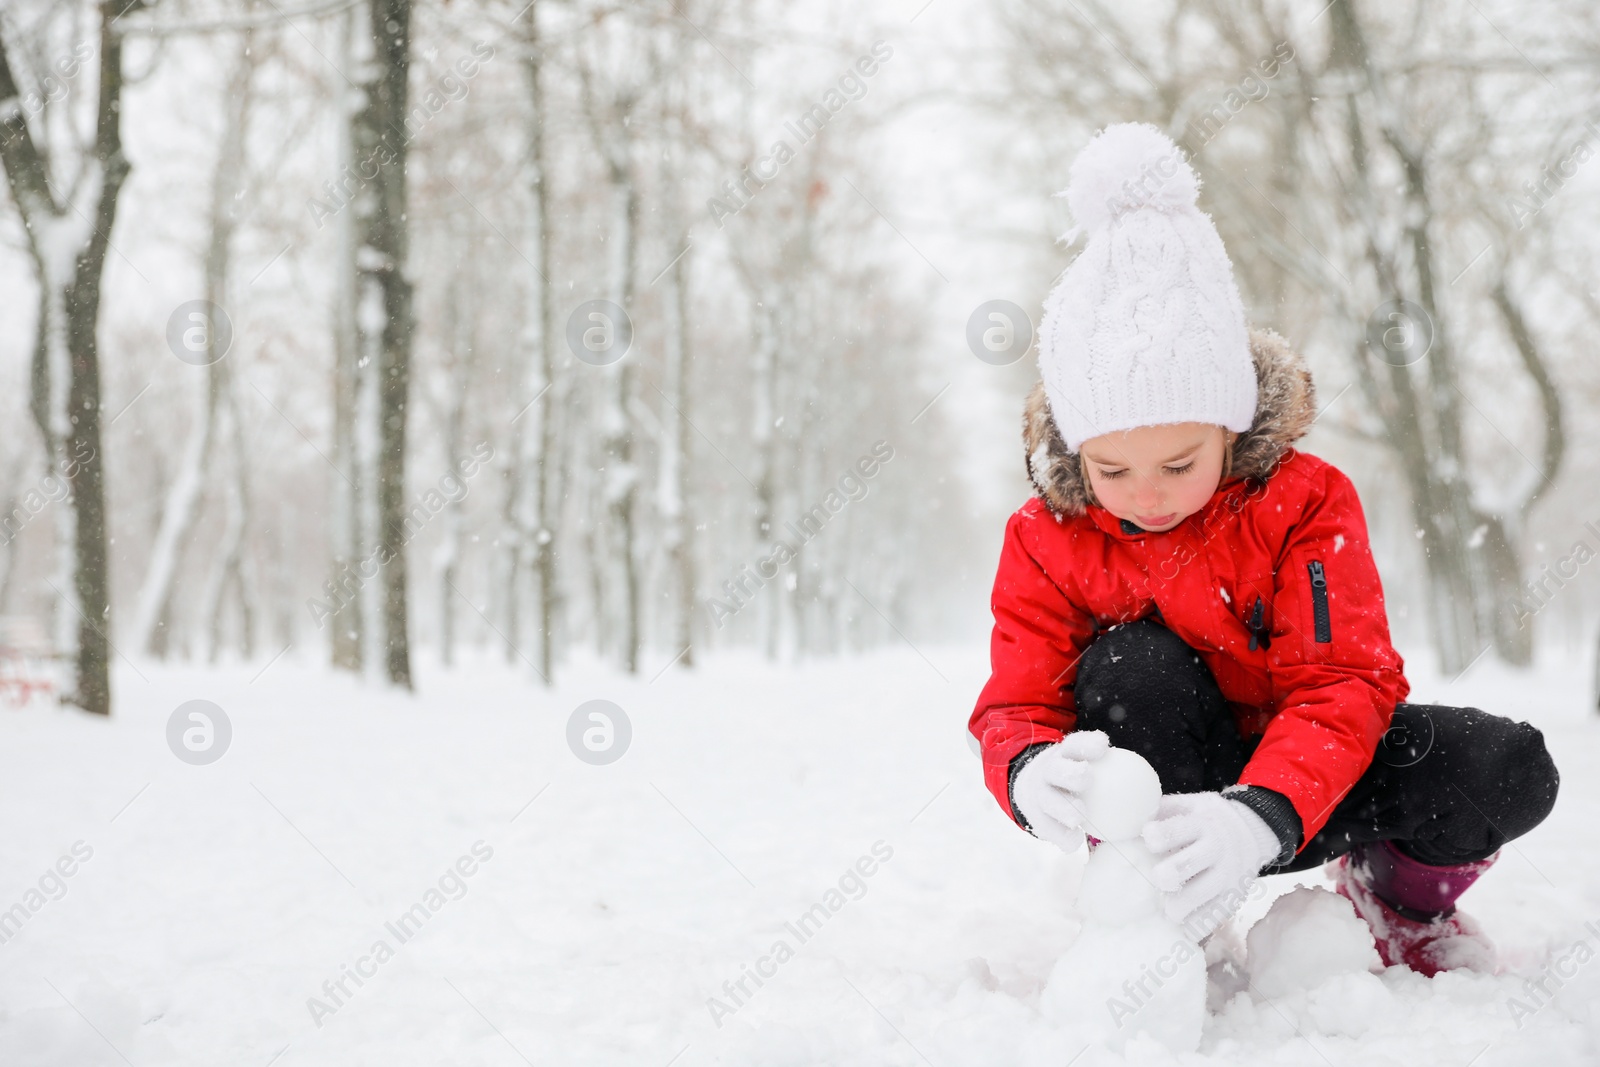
1156	476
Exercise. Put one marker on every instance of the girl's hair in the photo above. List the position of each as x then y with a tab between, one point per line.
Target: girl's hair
1083	477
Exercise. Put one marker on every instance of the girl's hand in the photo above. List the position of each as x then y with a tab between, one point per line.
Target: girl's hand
1209	850
1048	790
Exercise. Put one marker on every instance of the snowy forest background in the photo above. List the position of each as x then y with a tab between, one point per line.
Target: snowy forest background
799	207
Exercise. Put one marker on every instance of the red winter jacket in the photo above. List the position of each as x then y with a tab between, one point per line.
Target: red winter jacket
1286	528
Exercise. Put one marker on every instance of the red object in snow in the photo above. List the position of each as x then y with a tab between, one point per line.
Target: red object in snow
1448	941
26	661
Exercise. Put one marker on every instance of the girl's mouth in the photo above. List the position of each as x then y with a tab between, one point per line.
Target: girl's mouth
1156	520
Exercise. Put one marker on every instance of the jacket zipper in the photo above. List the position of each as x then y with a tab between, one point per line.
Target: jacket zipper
1319	601
1260	633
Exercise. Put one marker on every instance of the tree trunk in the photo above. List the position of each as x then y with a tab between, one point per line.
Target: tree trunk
1513	639
346	637
620	563
622	480
229	572
384	320
675	529
538	469
460	318
763	448
184	501
153	613
68	243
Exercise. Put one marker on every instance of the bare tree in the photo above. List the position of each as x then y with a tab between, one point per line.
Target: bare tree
231	577
69	215
153	612
610	119
537	481
346	639
450	413
674	476
384	323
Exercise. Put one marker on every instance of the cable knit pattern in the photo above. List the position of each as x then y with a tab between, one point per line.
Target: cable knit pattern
1146	326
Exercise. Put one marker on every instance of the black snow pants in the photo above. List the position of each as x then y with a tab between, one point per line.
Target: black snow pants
1447	785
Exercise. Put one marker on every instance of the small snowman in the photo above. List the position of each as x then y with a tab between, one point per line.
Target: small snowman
1131	970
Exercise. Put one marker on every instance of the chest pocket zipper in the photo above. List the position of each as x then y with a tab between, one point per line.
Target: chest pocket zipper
1319	602
1260	632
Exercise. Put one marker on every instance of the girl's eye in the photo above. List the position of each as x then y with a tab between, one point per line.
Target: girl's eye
1185	469
1108	475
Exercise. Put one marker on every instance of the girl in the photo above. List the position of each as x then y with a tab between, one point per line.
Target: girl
1185	584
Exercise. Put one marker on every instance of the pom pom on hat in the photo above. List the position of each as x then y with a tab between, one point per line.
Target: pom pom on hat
1146	326
1126	167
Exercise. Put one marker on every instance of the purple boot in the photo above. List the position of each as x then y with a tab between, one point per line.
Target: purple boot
1411	908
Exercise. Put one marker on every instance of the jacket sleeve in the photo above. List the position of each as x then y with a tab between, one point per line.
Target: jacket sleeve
1033	653
1336	675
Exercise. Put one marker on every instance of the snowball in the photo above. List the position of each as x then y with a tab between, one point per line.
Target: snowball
1308	936
1116	888
1122	797
1117	982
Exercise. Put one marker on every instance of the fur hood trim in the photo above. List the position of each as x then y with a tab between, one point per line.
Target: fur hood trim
1286	405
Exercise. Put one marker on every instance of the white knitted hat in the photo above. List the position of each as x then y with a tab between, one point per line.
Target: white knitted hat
1146	326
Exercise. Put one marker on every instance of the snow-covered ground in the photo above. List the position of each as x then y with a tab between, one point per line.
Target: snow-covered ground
606	905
